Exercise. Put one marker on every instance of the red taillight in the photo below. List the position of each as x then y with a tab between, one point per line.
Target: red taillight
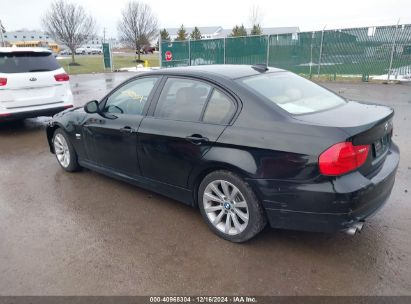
62	77
3	81
342	158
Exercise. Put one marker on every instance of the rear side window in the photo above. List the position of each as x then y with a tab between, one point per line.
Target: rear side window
220	109
25	62
182	99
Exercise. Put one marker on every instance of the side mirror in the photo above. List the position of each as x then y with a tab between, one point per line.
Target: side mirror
92	107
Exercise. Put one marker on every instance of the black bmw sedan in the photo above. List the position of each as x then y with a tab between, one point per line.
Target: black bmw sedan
247	145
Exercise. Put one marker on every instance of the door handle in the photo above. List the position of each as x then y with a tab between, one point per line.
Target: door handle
197	139
127	129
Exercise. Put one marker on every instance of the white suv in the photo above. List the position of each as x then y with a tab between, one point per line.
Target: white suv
32	84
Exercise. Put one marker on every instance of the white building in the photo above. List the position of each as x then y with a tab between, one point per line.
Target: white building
211	32
23	35
30	36
207	32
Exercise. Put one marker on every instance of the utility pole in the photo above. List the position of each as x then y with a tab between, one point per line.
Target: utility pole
104	35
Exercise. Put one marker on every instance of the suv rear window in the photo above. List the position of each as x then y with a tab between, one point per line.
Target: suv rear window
25	62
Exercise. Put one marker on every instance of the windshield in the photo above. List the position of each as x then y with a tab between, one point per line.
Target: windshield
292	93
25	62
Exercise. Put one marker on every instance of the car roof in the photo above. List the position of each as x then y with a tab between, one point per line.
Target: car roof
230	71
23	49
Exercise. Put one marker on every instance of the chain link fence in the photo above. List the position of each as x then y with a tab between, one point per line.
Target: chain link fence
382	50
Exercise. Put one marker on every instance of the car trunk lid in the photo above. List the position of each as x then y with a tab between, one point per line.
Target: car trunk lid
364	124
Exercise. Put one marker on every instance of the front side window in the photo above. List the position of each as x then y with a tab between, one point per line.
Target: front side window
131	98
182	99
292	93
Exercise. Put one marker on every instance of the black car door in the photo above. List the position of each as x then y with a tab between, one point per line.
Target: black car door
189	117
110	138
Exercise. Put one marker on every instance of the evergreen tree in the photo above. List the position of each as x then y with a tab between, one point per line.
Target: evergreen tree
238	31
242	31
256	30
182	33
164	35
195	34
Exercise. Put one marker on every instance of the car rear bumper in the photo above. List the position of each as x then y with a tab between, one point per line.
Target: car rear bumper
327	205
33	113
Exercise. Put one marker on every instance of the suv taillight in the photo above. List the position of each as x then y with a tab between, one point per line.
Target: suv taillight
3	81
342	158
62	77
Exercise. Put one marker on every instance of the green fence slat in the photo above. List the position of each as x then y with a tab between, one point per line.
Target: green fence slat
210	51
179	51
354	51
246	50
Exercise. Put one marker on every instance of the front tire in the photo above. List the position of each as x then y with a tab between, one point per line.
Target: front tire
64	151
230	207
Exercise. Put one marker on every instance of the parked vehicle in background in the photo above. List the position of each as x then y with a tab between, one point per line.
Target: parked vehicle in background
245	144
65	52
88	51
32	84
54	47
81	51
147	49
95	51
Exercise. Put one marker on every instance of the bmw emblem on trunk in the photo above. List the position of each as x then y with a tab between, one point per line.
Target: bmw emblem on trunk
33	79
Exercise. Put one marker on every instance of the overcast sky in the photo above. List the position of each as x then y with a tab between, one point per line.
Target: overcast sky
308	15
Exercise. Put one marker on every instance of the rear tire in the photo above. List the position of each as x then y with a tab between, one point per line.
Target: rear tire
64	151
230	207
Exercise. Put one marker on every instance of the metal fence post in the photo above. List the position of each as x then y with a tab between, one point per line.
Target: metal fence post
1	34
224	48
321	53
311	54
268	50
393	50
160	50
189	51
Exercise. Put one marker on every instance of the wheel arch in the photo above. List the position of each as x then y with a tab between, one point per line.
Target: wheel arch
50	132
201	173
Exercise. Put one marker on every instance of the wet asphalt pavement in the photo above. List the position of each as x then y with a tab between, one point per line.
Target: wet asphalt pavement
87	234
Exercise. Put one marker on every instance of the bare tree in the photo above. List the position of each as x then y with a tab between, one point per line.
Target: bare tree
69	24
137	26
256	16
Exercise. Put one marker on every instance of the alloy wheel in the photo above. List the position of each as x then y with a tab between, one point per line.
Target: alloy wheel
226	207
62	150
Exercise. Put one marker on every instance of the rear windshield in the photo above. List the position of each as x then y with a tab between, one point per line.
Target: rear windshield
292	93
24	62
